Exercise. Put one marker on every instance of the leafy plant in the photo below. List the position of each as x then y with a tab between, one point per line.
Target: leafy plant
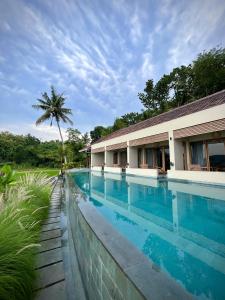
6	177
20	222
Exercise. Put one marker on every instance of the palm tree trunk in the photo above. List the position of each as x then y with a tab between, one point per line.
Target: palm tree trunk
62	156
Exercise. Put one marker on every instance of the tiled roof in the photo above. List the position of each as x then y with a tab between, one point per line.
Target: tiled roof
187	109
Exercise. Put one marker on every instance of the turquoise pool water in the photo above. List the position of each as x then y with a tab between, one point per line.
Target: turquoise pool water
179	226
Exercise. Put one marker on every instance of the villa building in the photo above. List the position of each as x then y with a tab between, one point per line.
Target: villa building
185	143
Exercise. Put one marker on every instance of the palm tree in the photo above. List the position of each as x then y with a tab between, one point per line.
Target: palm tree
54	109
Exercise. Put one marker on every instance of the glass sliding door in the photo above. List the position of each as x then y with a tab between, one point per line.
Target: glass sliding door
167	158
198	154
149	154
216	152
159	157
123	159
115	158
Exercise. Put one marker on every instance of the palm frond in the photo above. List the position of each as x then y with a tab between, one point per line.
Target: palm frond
66	111
66	119
44	117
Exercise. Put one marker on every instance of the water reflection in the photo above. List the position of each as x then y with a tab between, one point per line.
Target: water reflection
180	226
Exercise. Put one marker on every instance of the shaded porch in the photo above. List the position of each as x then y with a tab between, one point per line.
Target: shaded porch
149	156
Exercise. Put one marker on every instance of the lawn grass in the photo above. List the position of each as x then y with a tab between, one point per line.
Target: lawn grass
24	207
48	172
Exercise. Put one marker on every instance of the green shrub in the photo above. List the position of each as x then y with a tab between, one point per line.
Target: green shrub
6	177
71	165
23	208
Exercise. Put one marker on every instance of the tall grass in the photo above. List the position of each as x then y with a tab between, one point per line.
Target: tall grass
23	207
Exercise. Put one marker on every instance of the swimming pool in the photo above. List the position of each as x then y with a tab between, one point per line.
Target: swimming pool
179	226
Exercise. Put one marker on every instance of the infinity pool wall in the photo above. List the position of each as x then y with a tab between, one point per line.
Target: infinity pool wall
111	267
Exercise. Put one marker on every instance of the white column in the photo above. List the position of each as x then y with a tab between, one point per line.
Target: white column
105	157
128	155
176	153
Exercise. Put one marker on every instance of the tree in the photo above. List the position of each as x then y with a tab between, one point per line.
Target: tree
147	98
54	109
76	141
99	131
181	85
209	72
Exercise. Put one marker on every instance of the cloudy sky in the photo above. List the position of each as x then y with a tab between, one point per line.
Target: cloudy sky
99	52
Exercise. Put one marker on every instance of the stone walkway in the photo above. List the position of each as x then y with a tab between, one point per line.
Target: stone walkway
49	264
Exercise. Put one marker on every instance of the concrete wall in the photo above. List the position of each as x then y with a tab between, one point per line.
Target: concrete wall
97	159
198	176
142	172
176	153
132	157
113	169
95	168
109	158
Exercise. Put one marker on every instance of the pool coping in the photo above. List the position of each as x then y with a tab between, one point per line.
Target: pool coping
134	264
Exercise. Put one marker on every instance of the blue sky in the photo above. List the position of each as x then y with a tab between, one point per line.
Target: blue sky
99	52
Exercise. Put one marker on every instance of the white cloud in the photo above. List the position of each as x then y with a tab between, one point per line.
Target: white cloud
193	28
135	28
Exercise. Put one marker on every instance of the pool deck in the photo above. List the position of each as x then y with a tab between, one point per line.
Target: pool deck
50	282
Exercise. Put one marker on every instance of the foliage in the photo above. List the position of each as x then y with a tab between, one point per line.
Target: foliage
76	141
209	72
28	151
20	220
99	131
71	165
6	177
46	172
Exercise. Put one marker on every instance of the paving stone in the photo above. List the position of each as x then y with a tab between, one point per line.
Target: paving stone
51	220
50	227
55	207
50	234
50	275
55	202
51	210
50	244
54	292
53	214
49	257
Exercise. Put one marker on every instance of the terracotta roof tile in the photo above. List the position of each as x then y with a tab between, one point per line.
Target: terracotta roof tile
187	109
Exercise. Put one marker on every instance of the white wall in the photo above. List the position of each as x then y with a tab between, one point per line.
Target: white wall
198	176
142	172
109	158
95	168
176	153
112	170
132	157
97	159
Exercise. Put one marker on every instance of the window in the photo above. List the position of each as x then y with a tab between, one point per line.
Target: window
115	158
198	154
216	152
